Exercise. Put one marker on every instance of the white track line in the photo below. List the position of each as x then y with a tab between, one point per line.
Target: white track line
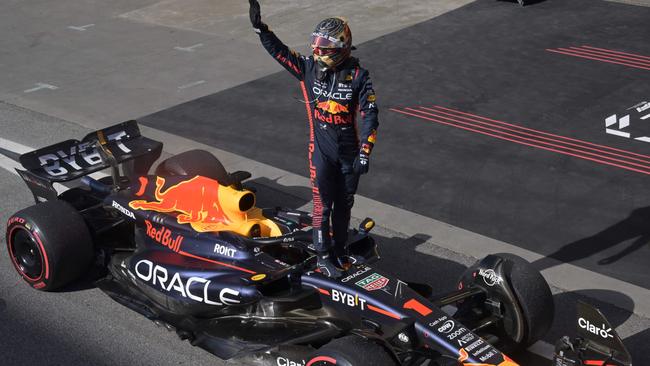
14	146
9	164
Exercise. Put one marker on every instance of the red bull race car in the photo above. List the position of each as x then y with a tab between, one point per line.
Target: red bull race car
188	248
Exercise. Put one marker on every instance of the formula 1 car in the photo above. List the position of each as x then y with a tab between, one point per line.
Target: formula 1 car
187	248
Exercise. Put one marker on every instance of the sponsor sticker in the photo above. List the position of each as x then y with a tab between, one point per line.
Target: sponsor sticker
194	288
284	361
602	331
447	327
123	210
164	236
490	277
355	274
353	301
62	162
224	250
19	220
373	282
373	137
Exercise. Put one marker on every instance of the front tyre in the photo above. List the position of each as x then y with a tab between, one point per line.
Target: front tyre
351	351
49	244
516	293
534	296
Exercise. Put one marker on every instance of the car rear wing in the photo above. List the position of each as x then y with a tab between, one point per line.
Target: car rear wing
110	147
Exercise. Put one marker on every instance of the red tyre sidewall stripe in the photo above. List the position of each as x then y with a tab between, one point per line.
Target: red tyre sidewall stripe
323	359
42	253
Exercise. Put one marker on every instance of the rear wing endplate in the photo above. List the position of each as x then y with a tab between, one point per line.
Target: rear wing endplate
73	159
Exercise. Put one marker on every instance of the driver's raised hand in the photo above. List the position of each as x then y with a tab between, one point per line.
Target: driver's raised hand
256	17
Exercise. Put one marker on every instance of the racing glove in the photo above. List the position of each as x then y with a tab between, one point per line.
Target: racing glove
256	17
361	163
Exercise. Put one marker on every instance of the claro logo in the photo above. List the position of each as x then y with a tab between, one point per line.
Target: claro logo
283	361
195	288
593	329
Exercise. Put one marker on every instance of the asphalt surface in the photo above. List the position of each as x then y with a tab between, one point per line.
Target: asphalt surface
105	74
491	60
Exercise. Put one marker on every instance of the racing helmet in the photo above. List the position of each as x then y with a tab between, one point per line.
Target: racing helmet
331	42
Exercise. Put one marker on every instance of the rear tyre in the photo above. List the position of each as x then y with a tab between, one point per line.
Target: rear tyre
49	244
351	351
193	163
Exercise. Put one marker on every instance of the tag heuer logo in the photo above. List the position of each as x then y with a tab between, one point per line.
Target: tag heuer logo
373	282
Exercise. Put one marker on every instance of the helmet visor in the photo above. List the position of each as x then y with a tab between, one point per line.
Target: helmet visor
326	51
323	41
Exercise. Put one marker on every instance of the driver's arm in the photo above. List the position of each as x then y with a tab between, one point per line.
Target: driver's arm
289	59
369	113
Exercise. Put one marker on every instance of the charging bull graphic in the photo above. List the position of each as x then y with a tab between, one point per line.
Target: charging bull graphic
332	107
201	202
332	112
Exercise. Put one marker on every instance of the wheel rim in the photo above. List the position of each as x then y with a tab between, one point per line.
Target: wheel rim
26	255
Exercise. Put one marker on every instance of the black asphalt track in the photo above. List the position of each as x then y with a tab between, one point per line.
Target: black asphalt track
568	199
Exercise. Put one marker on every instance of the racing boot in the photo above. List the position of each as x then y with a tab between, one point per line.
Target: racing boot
346	260
349	260
327	267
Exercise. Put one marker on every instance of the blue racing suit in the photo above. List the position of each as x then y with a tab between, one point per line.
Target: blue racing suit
332	99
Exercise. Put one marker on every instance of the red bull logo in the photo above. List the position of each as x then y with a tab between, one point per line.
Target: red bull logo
332	107
196	200
337	119
201	202
164	236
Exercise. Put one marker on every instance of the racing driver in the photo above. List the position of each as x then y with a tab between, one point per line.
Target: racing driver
334	88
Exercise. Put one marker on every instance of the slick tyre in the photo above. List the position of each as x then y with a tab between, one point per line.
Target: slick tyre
49	244
533	295
192	163
351	351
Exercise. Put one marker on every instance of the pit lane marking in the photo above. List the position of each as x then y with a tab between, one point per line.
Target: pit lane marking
41	86
190	48
190	85
82	28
